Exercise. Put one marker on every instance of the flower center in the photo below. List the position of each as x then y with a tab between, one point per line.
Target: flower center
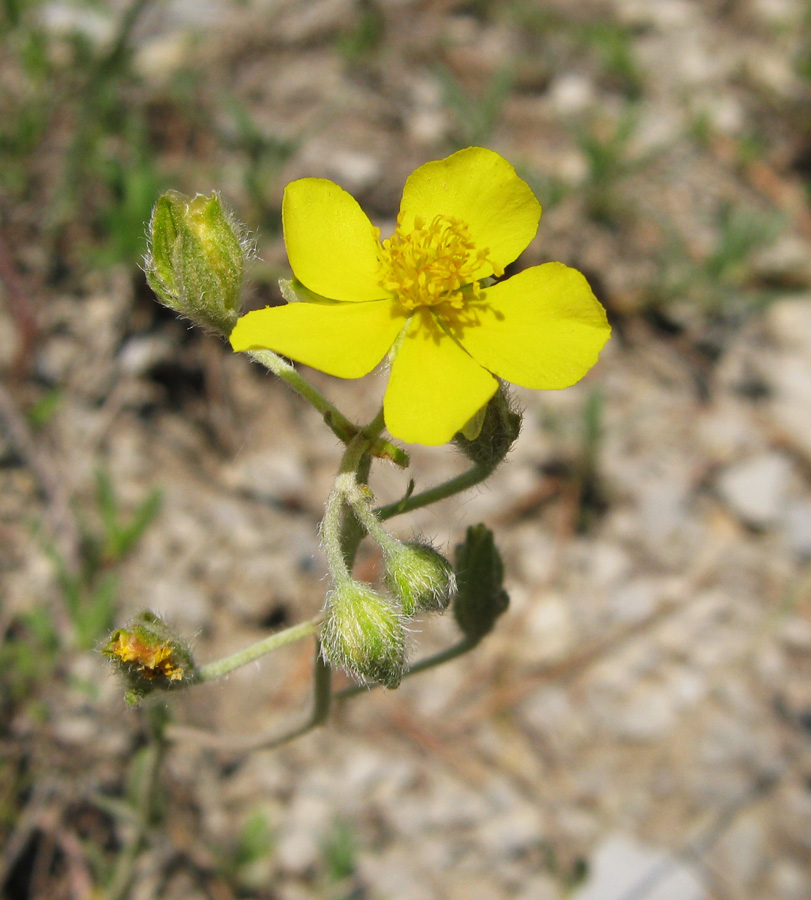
432	263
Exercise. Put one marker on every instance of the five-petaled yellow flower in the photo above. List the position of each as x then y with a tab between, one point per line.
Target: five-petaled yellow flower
426	295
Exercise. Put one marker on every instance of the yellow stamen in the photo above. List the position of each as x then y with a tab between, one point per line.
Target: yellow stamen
433	263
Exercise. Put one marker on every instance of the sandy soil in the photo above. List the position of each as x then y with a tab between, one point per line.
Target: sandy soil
638	723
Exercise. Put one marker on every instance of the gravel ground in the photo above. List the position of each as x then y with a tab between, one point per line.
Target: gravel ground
638	724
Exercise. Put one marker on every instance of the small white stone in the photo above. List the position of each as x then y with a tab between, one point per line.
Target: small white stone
512	833
71	19
139	354
756	489
789	881
427	125
636	600
686	687
355	170
306	826
786	258
540	887
648	715
789	323
547	629
162	56
797	523
665	15
623	867
609	563
742	851
778	12
571	93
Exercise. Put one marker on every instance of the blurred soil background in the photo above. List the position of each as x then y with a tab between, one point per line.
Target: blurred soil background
638	724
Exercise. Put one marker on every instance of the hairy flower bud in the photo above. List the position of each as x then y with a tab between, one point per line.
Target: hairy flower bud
488	437
364	634
480	597
420	577
150	657
196	259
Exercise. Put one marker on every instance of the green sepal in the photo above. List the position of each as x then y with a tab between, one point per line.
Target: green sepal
163	232
487	438
480	595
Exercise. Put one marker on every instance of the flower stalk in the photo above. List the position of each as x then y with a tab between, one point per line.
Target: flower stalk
221	667
342	427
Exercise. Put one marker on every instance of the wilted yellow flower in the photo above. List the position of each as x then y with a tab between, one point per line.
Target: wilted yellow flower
149	657
149	660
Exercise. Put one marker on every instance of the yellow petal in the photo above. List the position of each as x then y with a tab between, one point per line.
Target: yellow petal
331	244
480	188
434	387
343	339
542	328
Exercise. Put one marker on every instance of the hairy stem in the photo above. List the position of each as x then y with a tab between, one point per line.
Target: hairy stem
473	476
430	662
220	667
335	419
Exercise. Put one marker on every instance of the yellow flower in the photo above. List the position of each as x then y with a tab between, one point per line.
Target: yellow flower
425	295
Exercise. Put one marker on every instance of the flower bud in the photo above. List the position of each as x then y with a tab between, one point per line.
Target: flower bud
196	259
489	435
420	577
150	657
364	634
480	597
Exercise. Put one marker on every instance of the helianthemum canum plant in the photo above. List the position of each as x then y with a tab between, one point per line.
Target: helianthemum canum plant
431	303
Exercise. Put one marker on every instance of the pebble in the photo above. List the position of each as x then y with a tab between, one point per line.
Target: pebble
539	887
788	322
787	364
513	832
797	523
648	714
306	826
756	489
664	15
779	12
571	93
72	19
637	599
141	353
742	852
622	868
548	624
788	881
787	259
